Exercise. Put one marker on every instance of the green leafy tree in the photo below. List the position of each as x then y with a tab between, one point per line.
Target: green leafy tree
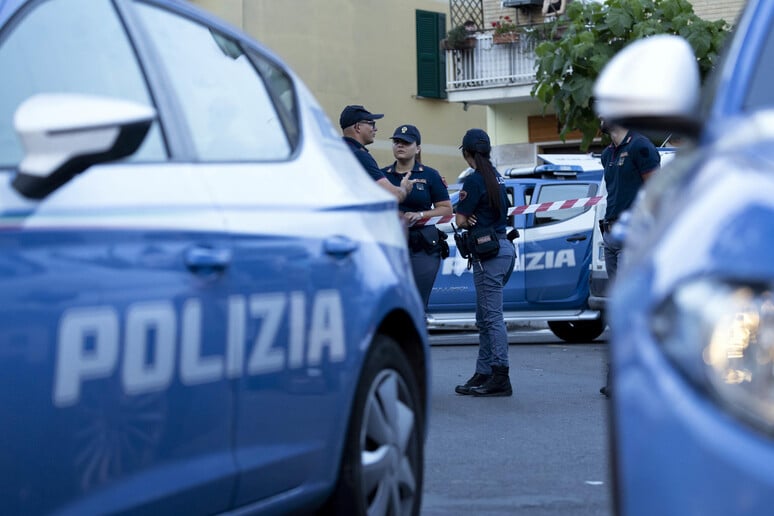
569	63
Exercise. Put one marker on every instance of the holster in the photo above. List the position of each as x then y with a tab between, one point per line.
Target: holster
428	239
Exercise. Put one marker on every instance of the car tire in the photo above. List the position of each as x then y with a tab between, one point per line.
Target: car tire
383	460
577	331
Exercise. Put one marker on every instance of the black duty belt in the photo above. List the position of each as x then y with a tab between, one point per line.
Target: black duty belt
605	225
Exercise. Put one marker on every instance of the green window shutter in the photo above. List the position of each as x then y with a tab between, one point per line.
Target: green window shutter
431	60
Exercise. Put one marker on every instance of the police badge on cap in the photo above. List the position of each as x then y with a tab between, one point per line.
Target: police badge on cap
407	133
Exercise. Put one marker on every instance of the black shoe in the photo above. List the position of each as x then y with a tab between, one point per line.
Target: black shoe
498	385
474	381
605	390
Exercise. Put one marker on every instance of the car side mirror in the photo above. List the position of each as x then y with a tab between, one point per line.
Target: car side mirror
64	134
652	83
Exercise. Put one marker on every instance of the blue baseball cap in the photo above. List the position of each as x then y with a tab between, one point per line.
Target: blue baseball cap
351	115
407	133
476	140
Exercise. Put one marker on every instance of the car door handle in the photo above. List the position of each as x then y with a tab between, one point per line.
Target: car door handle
339	246
577	238
203	259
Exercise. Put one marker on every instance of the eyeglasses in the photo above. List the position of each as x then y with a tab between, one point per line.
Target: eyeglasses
372	123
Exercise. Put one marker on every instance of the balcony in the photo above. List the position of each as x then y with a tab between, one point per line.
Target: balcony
491	73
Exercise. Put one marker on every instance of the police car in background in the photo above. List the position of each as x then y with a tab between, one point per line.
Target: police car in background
183	329
692	310
550	280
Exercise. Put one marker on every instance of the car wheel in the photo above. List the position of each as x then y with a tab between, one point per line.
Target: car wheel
577	331
382	466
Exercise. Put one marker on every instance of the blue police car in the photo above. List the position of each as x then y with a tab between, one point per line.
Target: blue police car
691	313
552	207
183	330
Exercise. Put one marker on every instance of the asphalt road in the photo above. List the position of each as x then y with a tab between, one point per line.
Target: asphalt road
542	452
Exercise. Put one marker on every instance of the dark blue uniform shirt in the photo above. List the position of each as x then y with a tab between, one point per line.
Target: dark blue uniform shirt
624	166
474	201
429	187
365	158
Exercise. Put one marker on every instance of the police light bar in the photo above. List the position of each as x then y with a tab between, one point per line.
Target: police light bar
559	170
545	171
520	172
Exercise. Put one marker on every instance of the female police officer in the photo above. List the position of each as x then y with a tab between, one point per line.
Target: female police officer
483	204
428	198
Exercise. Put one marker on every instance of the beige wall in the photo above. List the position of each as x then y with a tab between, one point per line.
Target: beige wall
360	52
728	10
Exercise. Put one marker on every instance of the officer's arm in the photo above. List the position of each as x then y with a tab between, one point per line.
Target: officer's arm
647	175
400	192
440	209
649	164
465	221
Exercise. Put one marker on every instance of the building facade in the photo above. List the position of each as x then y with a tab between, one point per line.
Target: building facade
368	52
385	55
501	76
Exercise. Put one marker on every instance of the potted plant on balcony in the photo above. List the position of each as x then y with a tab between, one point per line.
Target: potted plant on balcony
458	38
505	31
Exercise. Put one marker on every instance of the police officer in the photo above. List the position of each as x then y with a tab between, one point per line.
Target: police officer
428	198
484	203
629	161
359	128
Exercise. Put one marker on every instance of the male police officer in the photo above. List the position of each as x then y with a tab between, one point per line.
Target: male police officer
628	162
359	128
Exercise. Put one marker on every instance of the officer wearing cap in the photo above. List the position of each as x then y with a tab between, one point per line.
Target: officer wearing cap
428	198
359	128
628	161
483	203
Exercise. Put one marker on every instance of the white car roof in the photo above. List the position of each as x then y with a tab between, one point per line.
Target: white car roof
588	162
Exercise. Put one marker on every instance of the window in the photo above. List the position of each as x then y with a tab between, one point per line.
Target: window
229	110
761	95
560	192
280	86
63	62
431	60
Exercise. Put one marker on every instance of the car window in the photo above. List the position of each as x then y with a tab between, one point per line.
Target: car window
562	192
42	54
761	94
280	86
228	109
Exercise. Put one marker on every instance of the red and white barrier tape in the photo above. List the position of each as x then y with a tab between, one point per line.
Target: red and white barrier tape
583	202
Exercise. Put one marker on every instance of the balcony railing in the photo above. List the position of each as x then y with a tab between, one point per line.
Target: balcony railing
490	65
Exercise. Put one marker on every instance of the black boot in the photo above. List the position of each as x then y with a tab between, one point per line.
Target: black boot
498	385
476	380
606	389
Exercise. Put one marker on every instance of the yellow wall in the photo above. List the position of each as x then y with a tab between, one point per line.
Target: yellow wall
728	10
508	122
360	52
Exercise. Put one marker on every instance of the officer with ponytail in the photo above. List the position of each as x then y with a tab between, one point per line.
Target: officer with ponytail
483	209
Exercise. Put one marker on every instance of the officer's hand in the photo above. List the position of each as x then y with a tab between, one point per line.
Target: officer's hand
406	183
412	216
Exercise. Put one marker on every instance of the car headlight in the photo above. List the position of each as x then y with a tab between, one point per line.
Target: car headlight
720	334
